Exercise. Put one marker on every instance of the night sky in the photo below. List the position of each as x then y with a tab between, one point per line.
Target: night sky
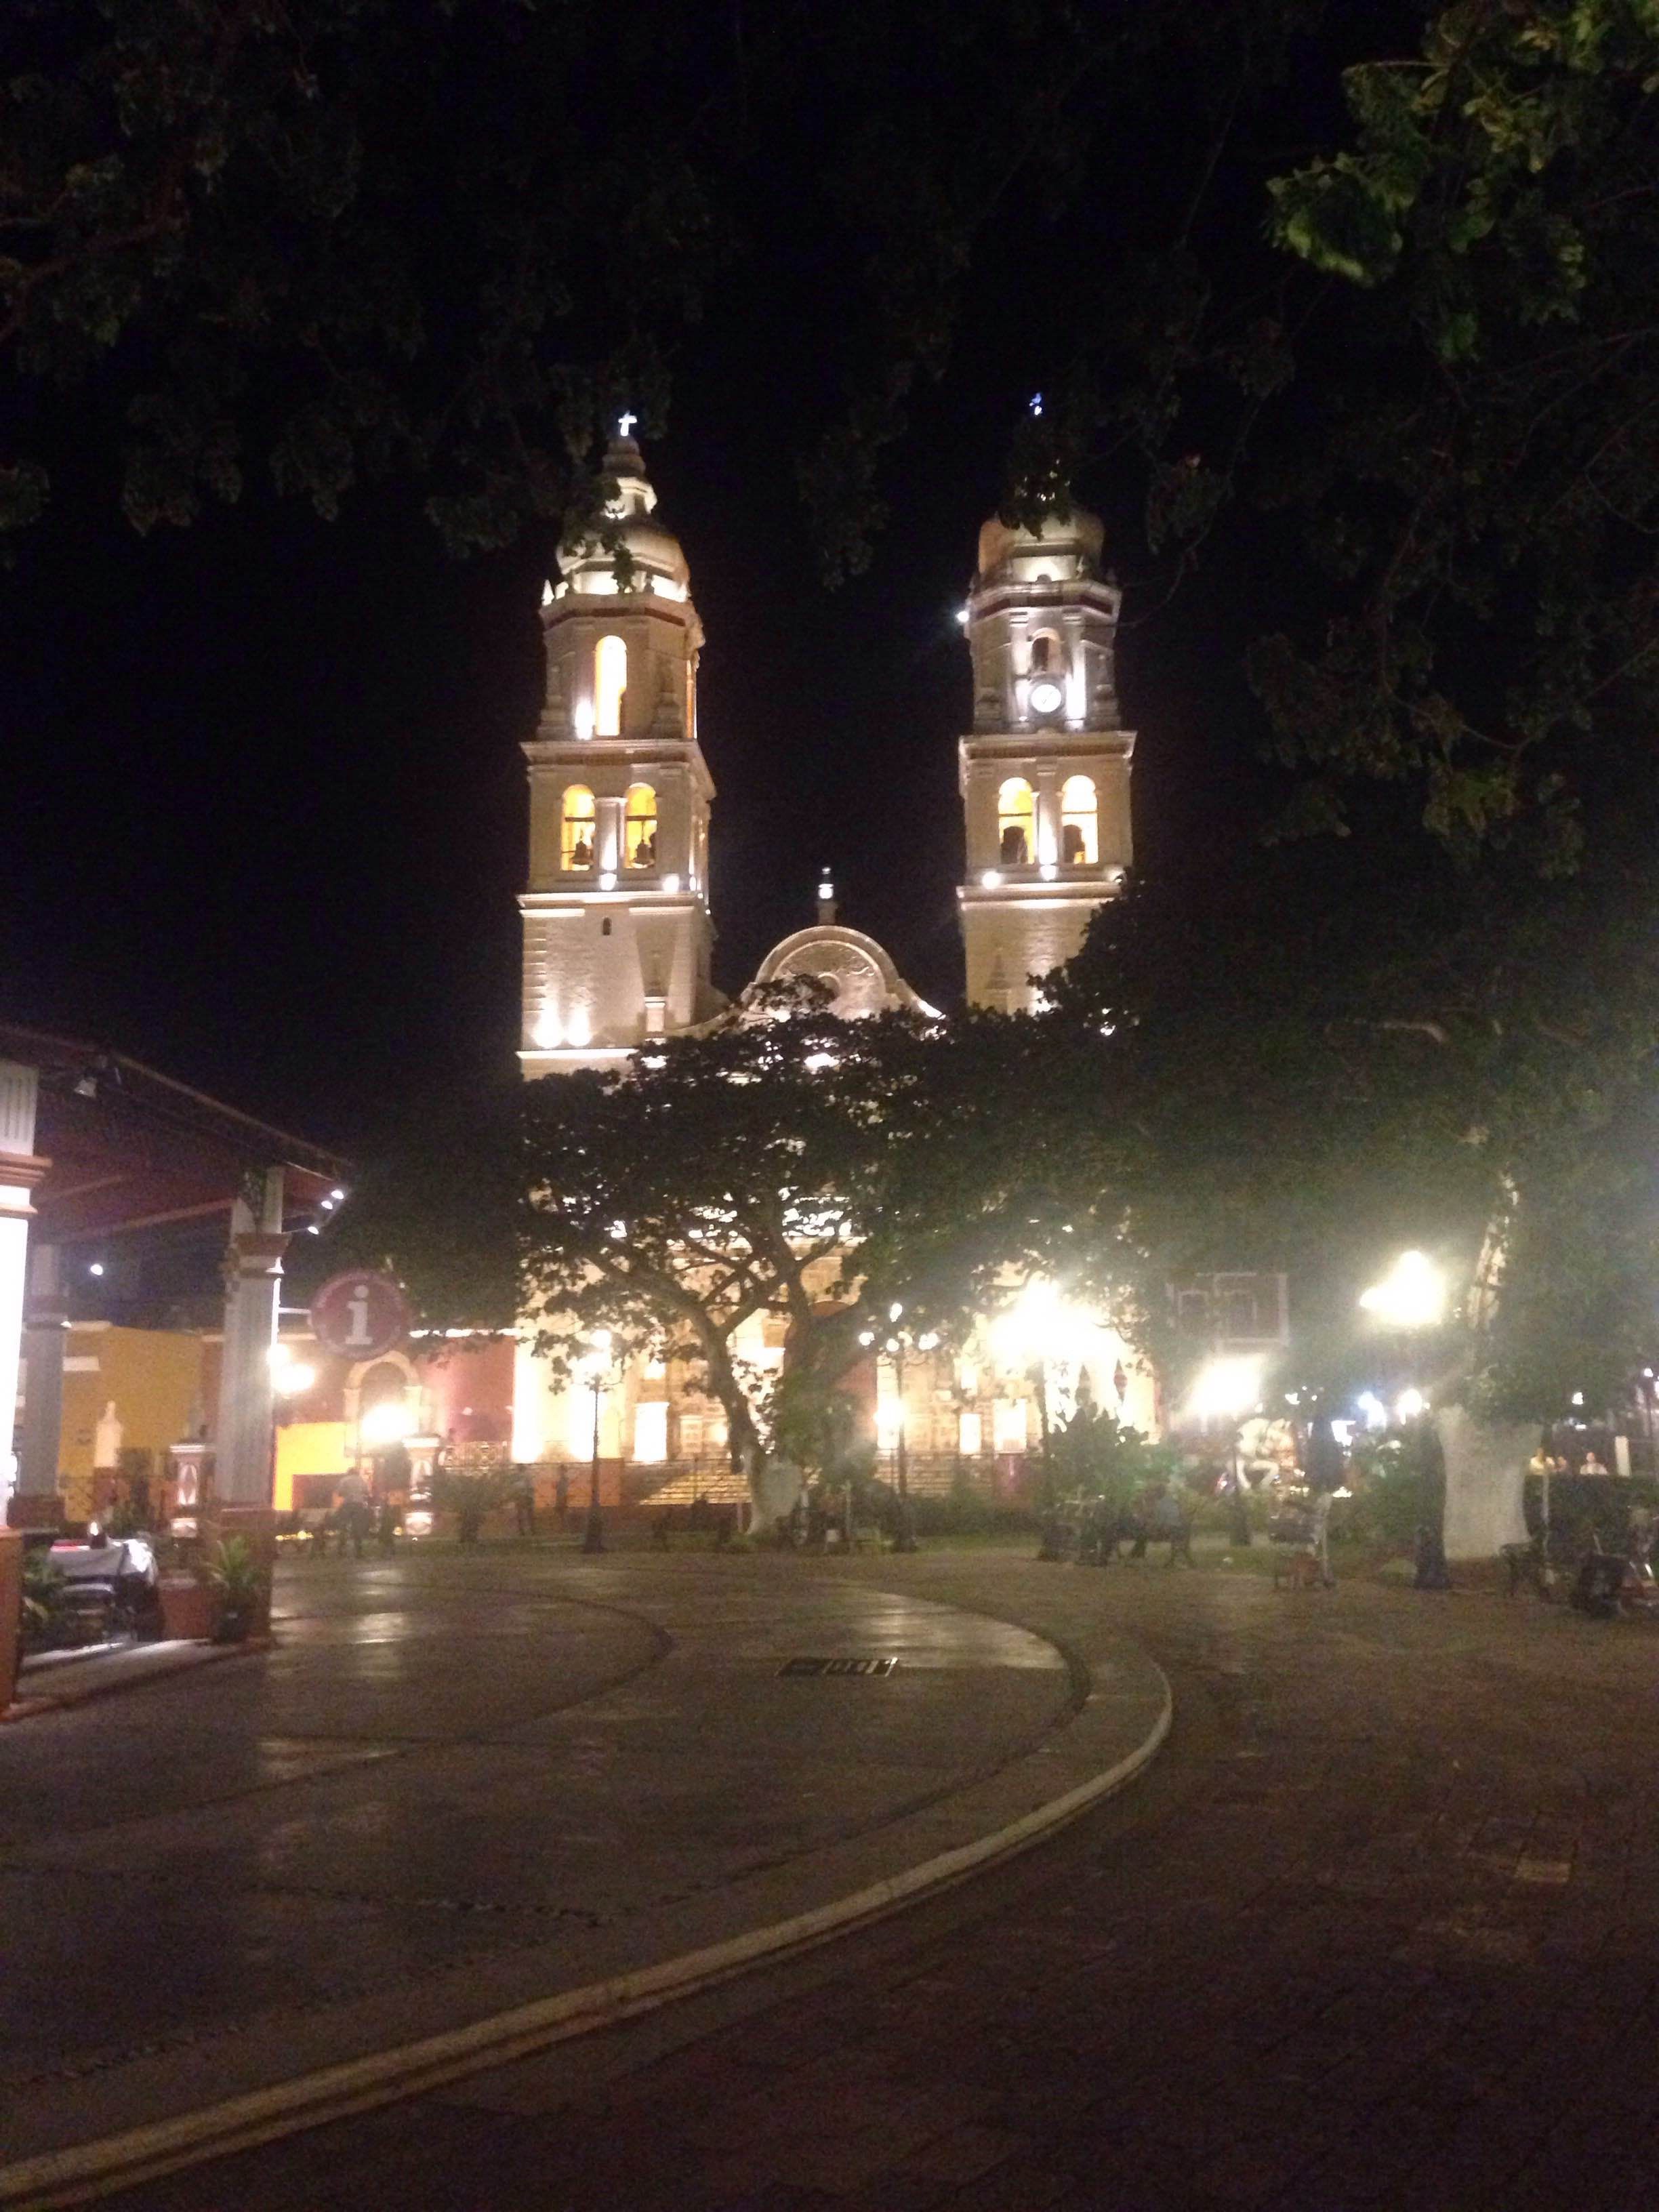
265	819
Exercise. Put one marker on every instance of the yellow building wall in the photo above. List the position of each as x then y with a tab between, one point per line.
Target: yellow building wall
307	1447
155	1377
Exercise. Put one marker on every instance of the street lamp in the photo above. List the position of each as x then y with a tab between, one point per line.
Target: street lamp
1038	1326
593	1365
1226	1388
897	1345
1229	1386
1411	1297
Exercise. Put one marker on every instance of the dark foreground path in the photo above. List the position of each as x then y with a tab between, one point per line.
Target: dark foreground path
1381	1927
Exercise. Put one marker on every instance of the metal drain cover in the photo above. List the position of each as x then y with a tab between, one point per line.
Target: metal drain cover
838	1665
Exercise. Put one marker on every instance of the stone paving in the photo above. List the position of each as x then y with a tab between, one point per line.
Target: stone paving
1380	1929
461	1781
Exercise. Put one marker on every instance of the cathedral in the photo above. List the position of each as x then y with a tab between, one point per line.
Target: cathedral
616	916
617	931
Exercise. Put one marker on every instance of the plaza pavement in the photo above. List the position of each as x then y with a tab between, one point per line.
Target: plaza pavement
1378	1928
463	1784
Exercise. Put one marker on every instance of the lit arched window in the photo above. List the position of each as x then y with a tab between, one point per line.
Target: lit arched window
610	681
639	828
1079	824
1045	654
1016	823
576	830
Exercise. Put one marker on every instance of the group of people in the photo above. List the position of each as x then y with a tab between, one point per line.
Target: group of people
362	1509
1552	1464
1098	1529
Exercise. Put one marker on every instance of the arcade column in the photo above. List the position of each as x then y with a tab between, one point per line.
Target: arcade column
244	1442
20	1172
45	1326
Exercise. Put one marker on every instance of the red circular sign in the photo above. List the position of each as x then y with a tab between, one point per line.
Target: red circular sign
359	1315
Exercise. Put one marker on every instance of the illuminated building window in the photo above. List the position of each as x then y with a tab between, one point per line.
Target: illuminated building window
651	1431
639	828
1008	1429
1045	654
1016	823
1080	822
970	1436
610	681
576	828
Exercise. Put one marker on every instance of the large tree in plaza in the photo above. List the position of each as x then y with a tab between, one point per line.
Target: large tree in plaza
809	1171
1352	1053
785	1166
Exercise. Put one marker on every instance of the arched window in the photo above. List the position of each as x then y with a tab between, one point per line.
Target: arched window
639	828
610	681
1016	824
1045	653
576	829
1080	822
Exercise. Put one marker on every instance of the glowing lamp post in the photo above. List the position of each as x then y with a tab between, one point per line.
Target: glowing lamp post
1040	1326
1411	1297
1226	1388
593	1365
897	1344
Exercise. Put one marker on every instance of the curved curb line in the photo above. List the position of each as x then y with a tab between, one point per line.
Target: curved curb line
84	2171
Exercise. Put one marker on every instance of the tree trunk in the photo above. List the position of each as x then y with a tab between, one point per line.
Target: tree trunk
1485	1476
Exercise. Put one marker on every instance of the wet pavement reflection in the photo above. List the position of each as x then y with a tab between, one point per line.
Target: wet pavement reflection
454	1752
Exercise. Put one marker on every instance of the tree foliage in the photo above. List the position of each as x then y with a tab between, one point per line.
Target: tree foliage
786	1168
339	238
1334	1059
1427	394
792	1168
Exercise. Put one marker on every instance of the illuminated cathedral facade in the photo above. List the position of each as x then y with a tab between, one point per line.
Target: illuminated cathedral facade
617	930
616	917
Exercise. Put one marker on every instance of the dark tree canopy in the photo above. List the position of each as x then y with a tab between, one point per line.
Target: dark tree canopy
1342	1056
797	1169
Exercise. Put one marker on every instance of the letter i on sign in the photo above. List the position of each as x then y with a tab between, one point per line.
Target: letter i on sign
358	1306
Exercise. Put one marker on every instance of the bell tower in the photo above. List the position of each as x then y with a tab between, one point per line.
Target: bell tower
617	933
1044	773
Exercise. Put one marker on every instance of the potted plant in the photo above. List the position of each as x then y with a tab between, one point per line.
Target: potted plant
187	1598
43	1583
234	1573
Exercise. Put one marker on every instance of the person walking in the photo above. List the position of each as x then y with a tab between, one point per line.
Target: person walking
353	1495
1322	1537
1170	1523
524	1501
387	1523
1641	1526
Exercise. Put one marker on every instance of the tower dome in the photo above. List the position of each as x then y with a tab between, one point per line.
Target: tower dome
616	912
1045	769
587	562
1061	549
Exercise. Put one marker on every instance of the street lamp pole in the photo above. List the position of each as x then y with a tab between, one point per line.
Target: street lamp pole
904	1539
1410	1298
593	1536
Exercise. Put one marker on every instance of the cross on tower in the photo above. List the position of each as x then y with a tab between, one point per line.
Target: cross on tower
625	425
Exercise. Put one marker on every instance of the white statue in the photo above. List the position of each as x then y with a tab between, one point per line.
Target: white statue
106	1439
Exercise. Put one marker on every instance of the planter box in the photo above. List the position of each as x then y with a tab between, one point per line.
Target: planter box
188	1608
